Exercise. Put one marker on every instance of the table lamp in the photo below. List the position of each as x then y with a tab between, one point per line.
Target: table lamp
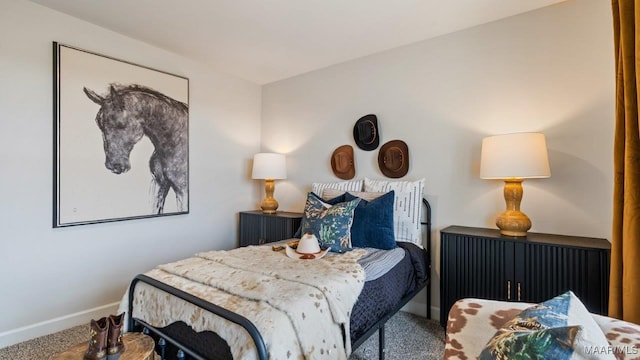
269	166
513	158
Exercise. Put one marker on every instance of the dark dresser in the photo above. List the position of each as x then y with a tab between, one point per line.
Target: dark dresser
481	263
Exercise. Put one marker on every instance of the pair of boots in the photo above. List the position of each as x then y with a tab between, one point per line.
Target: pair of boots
106	338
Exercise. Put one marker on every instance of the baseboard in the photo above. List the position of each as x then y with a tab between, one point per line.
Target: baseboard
29	332
420	309
33	331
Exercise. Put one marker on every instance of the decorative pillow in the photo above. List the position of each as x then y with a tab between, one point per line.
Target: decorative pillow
333	193
351	185
331	224
331	201
373	222
559	328
407	208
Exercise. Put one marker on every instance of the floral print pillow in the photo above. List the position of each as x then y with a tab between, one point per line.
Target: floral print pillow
331	224
559	328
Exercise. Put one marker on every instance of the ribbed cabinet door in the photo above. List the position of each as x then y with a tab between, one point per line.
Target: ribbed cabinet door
250	229
277	229
474	267
552	270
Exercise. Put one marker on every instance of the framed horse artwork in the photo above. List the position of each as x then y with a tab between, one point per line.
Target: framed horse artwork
121	139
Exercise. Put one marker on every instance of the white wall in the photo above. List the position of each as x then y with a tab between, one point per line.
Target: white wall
54	278
549	70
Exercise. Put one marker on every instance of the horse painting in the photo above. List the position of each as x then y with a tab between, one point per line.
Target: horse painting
127	113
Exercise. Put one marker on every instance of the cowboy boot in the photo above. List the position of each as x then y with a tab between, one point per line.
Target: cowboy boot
98	342
115	347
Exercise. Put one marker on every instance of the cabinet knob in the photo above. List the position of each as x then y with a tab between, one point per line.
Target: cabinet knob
508	289
262	241
519	292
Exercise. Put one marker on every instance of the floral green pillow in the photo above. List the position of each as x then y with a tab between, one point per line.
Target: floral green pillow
559	328
331	224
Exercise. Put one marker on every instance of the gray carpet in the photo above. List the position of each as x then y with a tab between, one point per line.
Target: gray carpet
407	336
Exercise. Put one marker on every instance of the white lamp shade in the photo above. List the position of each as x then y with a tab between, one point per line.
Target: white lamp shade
520	155
269	166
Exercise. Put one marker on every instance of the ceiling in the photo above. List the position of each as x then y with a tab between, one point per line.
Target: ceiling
269	40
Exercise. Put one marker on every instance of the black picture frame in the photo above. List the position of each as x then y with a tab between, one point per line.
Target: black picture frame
120	139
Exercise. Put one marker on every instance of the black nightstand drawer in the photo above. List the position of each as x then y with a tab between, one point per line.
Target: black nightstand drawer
257	228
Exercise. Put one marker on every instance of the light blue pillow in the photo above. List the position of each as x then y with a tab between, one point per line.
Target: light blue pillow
559	328
331	224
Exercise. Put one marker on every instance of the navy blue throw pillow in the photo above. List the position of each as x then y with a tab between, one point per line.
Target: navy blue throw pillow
373	222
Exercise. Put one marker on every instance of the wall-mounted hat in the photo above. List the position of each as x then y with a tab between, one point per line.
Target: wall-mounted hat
366	134
393	159
342	162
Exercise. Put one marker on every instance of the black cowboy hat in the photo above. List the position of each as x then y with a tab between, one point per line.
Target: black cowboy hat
342	162
366	134
393	159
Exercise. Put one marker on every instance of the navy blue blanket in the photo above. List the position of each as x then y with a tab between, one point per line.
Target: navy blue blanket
381	296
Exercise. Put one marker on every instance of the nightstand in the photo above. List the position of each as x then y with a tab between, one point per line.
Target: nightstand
481	263
257	228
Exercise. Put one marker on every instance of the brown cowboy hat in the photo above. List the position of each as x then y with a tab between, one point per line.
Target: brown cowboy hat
393	159
366	134
342	162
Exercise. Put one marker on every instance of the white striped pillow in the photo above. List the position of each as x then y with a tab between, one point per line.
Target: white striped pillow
351	185
328	194
407	207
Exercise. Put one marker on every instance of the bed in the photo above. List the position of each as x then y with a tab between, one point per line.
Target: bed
182	334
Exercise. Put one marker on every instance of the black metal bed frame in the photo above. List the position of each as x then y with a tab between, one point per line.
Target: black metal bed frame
183	349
